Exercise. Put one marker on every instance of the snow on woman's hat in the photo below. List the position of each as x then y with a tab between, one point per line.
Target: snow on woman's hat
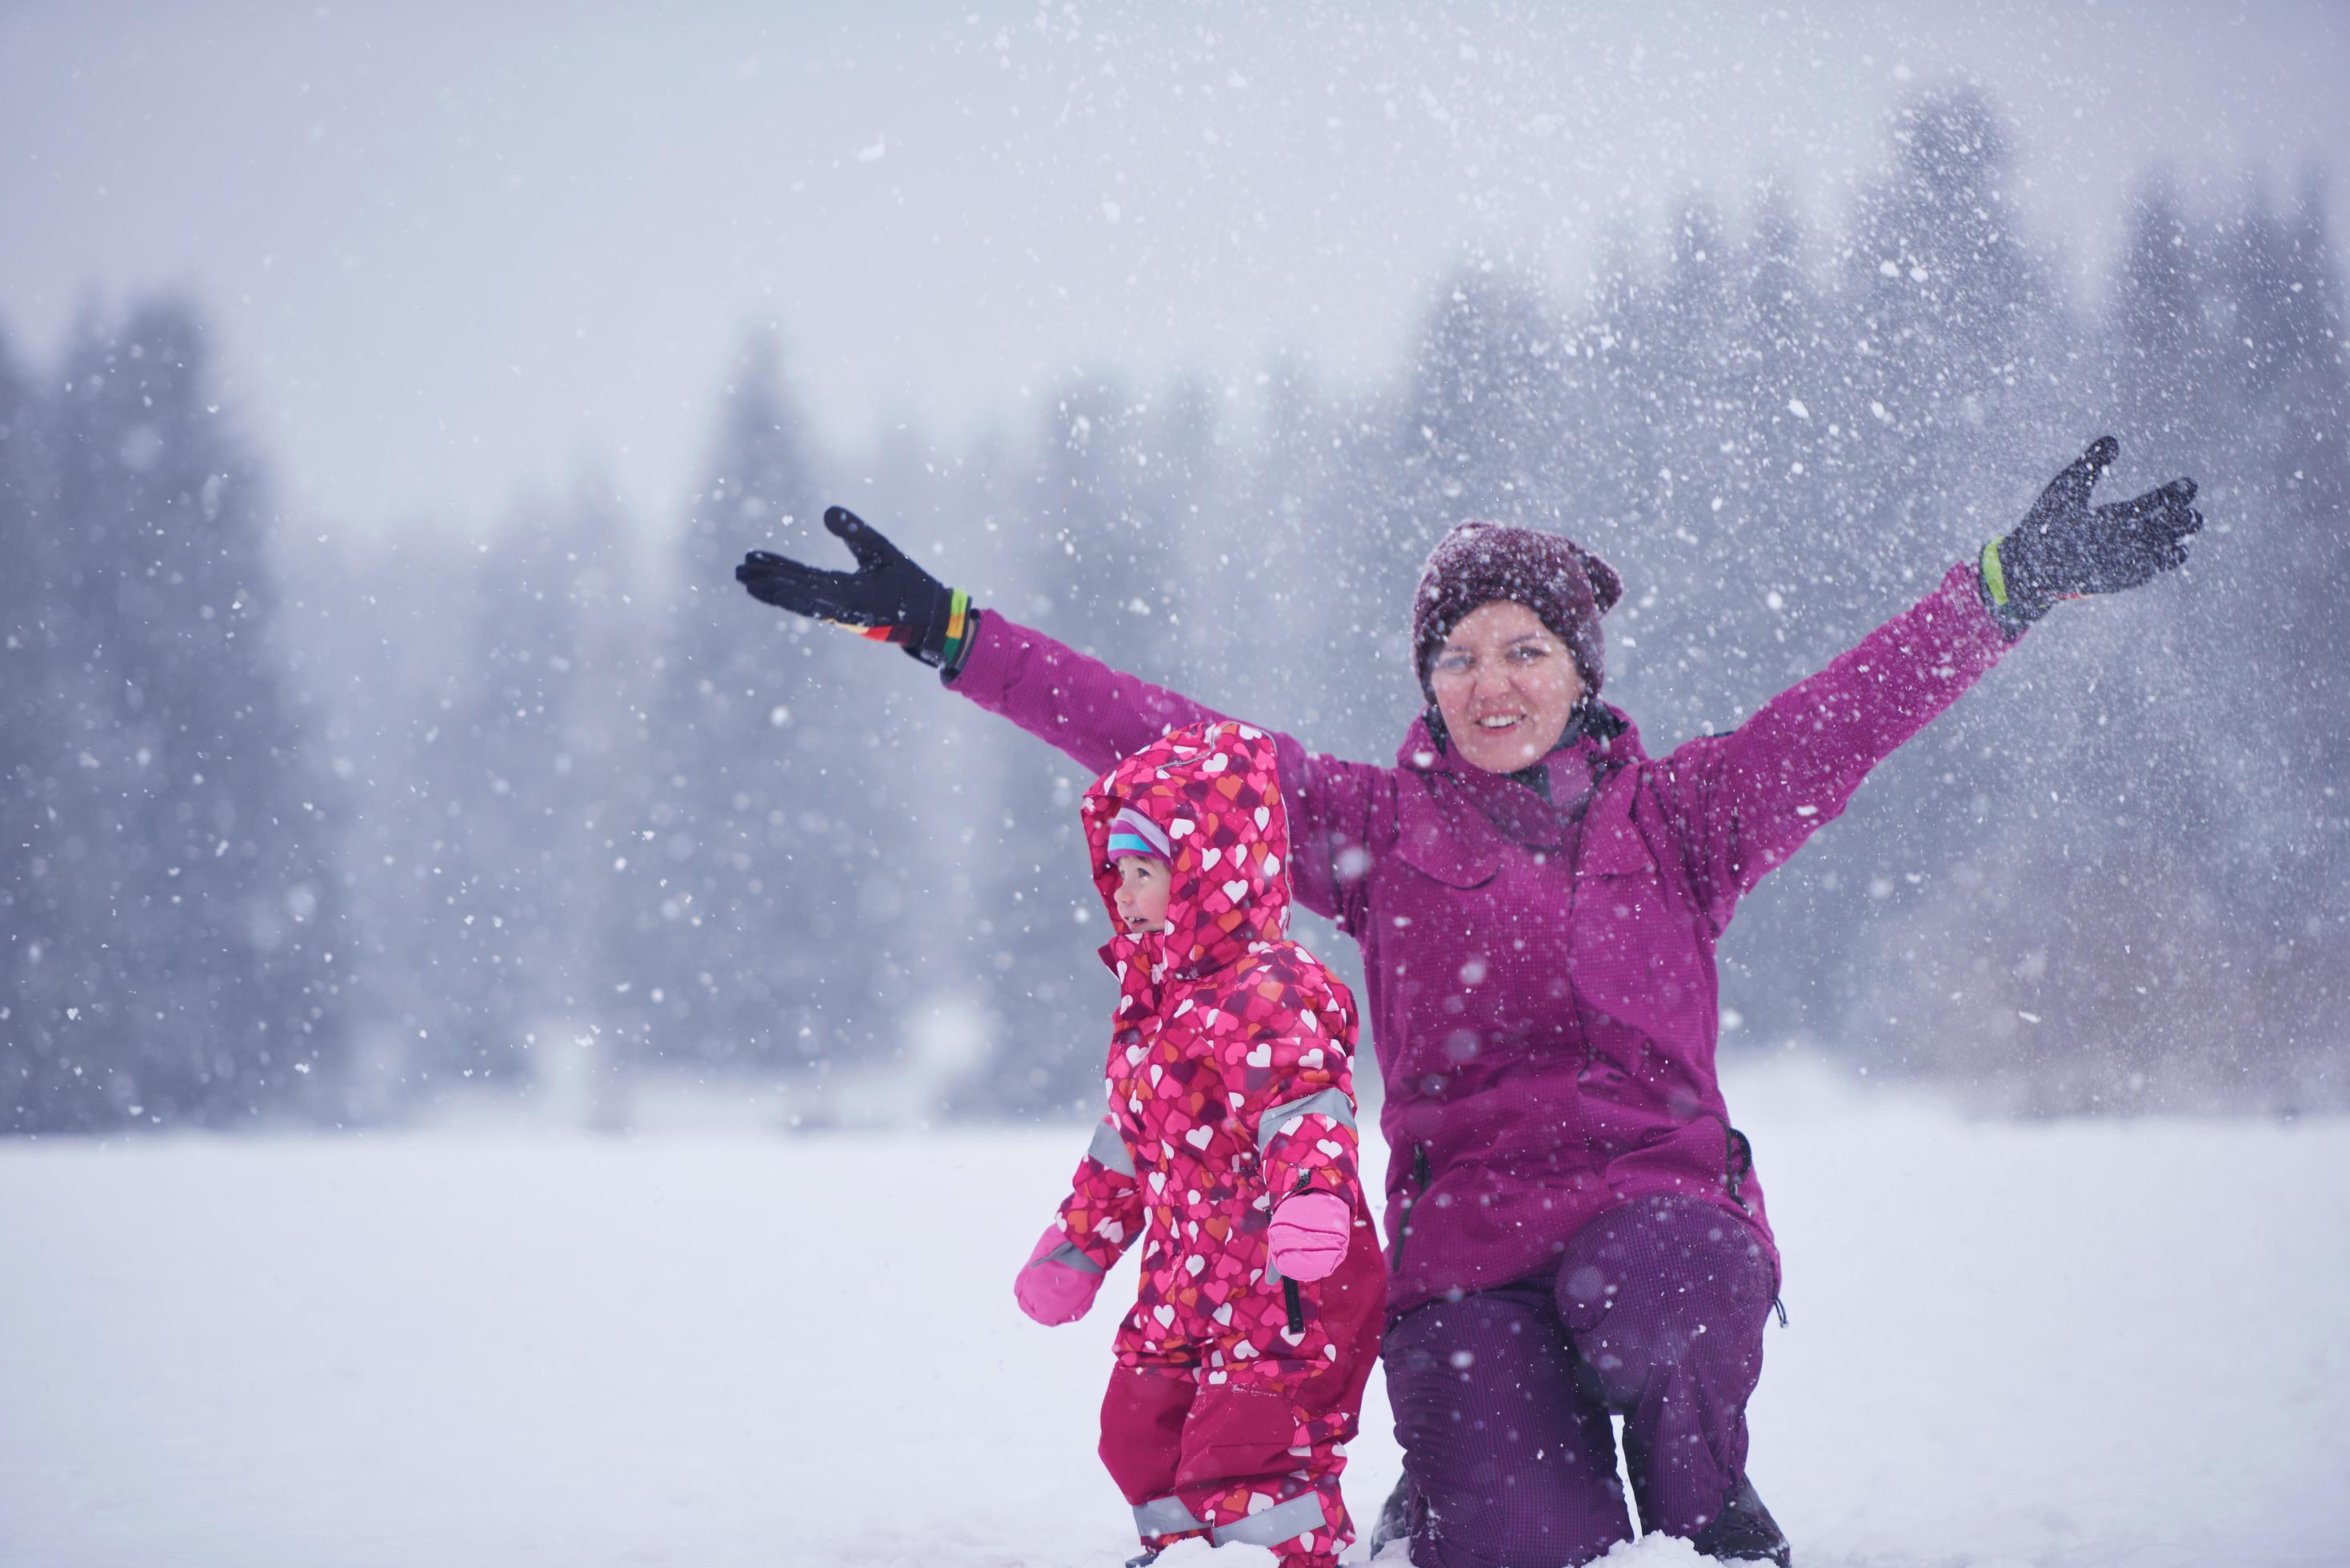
1478	563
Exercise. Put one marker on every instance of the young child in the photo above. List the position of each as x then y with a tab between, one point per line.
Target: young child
1229	1142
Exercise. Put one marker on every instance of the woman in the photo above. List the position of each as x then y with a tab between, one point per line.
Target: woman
1576	1228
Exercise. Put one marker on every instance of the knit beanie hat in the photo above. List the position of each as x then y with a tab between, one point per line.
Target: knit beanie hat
1477	563
1132	833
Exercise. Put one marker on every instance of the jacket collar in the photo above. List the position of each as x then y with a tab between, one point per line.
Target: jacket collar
1604	740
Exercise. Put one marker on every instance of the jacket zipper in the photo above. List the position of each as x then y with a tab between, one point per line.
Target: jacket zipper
1292	1301
1738	1164
1420	1182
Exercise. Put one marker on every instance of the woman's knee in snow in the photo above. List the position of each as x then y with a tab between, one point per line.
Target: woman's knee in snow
1528	1521
1667	1287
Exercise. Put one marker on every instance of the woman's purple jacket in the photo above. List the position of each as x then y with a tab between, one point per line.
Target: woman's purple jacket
1543	990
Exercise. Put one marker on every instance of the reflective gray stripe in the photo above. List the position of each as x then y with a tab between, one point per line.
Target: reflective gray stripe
1168	1516
1331	1103
1277	1524
1067	1252
1108	1148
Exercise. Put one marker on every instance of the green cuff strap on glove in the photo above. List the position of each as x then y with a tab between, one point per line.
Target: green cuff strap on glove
1994	576
962	625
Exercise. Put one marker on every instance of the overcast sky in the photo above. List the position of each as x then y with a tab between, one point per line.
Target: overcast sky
455	250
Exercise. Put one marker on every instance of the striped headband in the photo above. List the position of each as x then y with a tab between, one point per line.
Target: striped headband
1132	833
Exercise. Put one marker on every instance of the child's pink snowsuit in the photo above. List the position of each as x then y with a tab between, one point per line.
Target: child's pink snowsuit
1229	1089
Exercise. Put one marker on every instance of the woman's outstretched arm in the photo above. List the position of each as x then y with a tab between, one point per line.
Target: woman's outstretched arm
1340	813
1071	702
1744	802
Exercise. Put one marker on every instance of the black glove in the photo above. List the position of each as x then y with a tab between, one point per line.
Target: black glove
887	599
2065	548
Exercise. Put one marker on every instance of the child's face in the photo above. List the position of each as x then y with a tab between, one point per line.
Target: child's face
1141	893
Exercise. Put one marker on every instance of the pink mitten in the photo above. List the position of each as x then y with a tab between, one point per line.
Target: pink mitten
1054	1290
1308	1237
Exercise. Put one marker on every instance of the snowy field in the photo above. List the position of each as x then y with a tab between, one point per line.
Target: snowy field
2045	1344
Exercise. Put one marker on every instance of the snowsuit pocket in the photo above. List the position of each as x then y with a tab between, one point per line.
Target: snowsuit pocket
1237	1432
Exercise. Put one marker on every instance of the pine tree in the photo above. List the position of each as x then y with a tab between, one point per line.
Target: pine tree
204	989
41	688
529	784
1479	426
751	925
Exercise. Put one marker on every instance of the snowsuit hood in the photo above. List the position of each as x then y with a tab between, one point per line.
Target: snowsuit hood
1214	792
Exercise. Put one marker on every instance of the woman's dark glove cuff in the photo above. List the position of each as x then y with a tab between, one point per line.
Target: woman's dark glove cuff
960	630
2012	613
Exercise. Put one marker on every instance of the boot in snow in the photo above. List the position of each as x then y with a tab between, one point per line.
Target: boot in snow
1744	1532
1395	1517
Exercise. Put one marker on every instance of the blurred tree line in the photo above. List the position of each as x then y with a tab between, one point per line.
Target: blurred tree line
332	830
173	939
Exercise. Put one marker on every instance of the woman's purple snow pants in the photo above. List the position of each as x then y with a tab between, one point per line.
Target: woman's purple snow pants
1502	1397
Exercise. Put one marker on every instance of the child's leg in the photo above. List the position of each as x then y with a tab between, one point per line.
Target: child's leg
1142	1444
1249	1474
1263	1451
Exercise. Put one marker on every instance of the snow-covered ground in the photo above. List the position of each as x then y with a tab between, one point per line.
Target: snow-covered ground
2049	1345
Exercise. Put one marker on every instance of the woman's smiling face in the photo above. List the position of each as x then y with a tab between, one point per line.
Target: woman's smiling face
1506	685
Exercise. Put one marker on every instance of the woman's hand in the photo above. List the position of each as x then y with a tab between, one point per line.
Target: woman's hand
1308	1235
887	597
1053	1289
2065	547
